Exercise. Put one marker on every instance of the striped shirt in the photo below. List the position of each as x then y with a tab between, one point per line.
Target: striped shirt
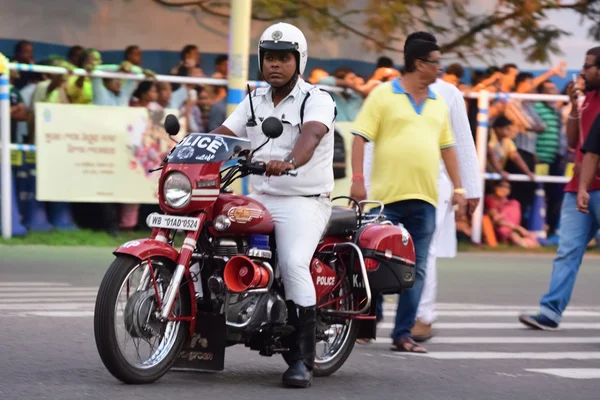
548	142
523	116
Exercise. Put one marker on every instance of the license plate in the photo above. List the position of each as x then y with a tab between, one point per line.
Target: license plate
173	222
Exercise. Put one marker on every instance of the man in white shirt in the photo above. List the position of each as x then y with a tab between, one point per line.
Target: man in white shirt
443	243
300	205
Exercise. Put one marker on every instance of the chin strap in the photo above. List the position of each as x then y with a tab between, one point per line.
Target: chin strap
290	84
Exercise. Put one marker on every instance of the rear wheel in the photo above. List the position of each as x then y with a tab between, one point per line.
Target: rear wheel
125	324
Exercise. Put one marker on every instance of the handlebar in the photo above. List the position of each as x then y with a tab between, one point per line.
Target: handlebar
259	168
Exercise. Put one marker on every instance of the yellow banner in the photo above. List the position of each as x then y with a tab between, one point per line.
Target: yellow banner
100	154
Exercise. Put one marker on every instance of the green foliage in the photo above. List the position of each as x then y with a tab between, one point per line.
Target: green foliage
463	27
83	237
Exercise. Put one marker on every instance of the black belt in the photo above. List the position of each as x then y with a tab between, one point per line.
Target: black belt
325	195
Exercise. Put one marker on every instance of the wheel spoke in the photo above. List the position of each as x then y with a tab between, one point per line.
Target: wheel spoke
139	315
137	348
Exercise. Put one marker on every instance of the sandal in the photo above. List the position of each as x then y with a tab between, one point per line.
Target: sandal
407	345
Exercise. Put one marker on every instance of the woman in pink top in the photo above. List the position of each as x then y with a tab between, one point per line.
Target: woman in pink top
506	216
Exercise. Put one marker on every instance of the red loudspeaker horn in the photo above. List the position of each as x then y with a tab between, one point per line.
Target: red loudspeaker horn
241	274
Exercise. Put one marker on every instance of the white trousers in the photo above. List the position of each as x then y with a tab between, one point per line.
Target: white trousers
299	226
443	245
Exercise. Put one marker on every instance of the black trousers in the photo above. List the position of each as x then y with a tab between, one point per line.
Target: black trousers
523	192
554	194
97	215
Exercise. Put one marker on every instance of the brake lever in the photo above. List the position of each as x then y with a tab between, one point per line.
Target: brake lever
162	164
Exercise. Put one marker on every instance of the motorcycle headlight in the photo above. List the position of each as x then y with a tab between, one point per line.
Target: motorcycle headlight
177	190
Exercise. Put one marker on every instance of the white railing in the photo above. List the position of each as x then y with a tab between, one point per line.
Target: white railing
5	168
481	134
140	77
5	173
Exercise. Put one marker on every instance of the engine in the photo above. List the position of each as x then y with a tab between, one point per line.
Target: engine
230	247
247	310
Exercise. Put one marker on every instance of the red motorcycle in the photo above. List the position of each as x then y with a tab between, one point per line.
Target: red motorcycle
222	286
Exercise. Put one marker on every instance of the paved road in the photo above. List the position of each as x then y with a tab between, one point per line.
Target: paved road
47	347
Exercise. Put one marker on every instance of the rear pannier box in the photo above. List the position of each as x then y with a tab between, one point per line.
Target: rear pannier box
389	255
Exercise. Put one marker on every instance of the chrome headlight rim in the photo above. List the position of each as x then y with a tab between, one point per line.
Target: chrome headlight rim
185	197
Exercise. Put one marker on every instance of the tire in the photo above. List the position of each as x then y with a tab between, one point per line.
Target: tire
327	368
330	366
104	324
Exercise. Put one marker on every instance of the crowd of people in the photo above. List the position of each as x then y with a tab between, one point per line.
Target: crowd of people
524	135
202	106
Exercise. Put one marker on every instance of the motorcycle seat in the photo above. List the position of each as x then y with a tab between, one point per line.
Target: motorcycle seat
343	220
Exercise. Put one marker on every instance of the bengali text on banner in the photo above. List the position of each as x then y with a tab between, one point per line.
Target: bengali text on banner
100	154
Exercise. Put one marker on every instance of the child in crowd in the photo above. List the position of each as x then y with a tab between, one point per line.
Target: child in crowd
506	217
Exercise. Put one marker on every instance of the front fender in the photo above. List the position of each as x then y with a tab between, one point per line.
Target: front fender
146	248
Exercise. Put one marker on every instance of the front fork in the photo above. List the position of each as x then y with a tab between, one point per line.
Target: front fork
184	258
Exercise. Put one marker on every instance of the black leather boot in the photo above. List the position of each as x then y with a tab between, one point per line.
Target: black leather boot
302	355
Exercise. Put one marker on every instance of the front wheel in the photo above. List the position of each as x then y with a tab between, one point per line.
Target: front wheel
337	340
124	321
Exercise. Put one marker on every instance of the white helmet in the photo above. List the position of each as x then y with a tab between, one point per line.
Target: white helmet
283	36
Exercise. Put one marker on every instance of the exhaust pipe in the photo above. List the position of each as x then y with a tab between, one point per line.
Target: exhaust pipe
241	274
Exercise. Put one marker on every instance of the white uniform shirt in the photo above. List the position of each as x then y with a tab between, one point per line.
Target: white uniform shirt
316	176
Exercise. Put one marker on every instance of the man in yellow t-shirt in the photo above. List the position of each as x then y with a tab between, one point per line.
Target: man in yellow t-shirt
409	126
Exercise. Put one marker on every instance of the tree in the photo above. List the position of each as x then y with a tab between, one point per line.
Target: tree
462	31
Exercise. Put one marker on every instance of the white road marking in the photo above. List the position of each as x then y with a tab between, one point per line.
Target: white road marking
497	325
38	289
393	356
55	300
66	293
34	284
490	355
502	340
482	307
494	313
46	306
49	314
573	373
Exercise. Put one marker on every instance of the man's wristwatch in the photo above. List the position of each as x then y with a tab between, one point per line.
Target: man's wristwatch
290	159
461	191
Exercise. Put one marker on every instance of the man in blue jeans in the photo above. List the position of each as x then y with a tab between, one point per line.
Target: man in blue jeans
406	162
576	228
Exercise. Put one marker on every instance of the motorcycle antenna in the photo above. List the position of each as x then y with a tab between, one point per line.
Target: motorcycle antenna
251	121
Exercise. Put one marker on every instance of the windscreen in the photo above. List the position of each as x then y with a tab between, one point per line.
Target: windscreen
199	148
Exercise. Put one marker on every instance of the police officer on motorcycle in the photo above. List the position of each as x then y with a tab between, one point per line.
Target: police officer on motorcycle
300	205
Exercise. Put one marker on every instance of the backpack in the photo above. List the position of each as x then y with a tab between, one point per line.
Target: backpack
339	149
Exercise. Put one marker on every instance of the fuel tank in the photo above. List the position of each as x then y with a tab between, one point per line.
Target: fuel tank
247	216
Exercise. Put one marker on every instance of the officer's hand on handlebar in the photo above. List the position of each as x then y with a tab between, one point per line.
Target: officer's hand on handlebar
278	168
